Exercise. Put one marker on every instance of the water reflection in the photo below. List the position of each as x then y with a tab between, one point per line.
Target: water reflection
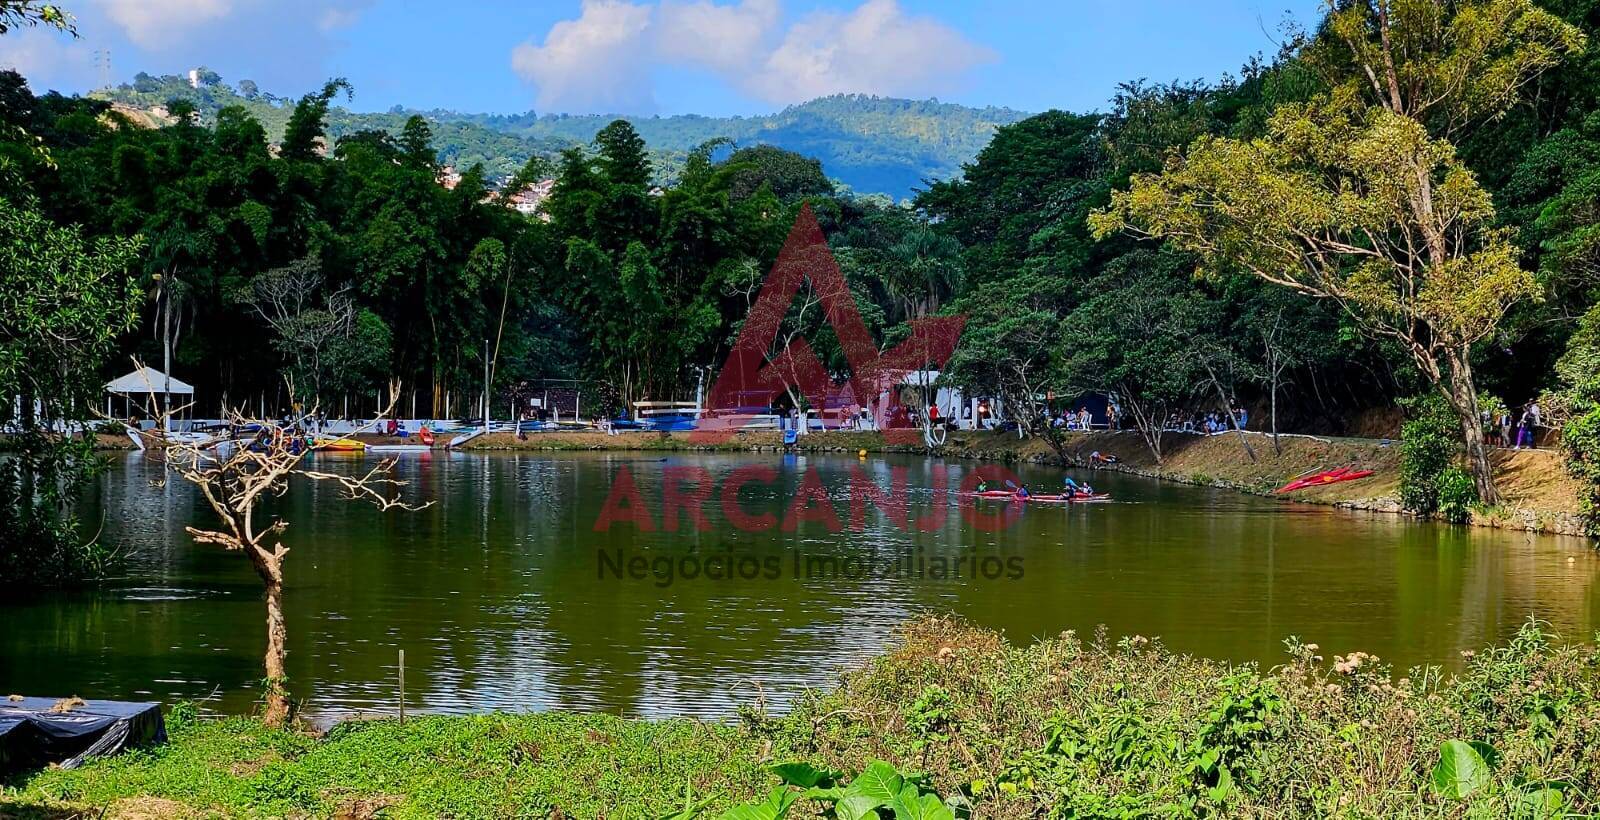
496	595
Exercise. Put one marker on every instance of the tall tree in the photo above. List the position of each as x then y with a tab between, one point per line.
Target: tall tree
1358	196
64	301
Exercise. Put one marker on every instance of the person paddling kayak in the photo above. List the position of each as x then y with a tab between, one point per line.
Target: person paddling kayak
1022	492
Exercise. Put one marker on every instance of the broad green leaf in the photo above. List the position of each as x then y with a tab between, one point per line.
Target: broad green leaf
1490	755
880	780
775	807
803	774
1461	770
909	805
856	807
752	811
830	794
1219	793
1543	802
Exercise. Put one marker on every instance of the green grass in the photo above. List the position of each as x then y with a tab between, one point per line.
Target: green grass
522	765
1063	727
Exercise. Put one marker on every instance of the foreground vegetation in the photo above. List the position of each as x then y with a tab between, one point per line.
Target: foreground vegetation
1066	727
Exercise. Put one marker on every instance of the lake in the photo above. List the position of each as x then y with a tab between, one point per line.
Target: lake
505	596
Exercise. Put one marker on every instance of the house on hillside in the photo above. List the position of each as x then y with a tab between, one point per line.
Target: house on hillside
449	177
529	200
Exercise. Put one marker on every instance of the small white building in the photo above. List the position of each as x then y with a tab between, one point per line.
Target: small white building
145	387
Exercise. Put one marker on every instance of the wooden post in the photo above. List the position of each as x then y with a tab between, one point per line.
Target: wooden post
402	687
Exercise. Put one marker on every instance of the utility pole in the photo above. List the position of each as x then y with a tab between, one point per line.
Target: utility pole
102	61
164	304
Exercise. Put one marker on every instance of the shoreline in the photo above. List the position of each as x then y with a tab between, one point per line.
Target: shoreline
1539	495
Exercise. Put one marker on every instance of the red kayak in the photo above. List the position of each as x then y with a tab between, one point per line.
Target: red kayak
1007	495
1068	499
1323	478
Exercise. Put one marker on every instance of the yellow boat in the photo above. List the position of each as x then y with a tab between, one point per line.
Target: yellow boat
339	444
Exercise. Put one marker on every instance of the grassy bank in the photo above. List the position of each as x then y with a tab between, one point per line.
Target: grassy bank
1064	727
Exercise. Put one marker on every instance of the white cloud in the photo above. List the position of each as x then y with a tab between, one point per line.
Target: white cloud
875	49
598	62
158	23
337	18
603	60
42	51
721	38
284	45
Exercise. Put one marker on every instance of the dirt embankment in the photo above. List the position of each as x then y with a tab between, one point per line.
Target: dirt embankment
1538	494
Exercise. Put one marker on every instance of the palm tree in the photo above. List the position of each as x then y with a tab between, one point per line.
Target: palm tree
927	271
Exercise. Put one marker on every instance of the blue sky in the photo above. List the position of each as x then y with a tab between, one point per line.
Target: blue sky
714	57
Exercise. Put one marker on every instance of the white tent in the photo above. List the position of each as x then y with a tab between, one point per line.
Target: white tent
148	380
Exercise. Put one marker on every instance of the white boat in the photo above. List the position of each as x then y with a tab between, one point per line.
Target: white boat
398	448
464	438
146	439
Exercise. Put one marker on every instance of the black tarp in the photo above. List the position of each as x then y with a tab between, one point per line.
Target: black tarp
32	734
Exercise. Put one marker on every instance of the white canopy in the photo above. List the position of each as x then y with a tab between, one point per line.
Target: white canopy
148	380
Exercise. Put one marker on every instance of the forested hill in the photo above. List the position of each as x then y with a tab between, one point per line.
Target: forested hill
871	144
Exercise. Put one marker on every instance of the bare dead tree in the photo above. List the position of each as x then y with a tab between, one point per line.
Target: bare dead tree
236	475
307	320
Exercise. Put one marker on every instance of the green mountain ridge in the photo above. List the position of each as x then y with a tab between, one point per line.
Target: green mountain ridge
873	145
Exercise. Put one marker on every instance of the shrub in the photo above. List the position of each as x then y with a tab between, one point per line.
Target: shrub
951	722
1581	439
1457	494
1579	369
1430	440
42	542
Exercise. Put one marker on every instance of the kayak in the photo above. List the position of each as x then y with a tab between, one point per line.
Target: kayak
1323	478
340	444
398	448
464	438
1043	498
1068	499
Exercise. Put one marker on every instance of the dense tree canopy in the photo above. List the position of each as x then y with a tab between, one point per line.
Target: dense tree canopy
1429	172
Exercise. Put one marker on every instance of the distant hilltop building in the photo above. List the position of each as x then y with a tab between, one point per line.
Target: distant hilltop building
529	200
449	177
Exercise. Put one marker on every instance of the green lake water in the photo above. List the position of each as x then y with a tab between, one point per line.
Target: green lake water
505	596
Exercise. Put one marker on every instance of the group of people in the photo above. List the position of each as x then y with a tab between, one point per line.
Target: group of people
1499	430
901	415
1069	489
1210	423
1081	420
